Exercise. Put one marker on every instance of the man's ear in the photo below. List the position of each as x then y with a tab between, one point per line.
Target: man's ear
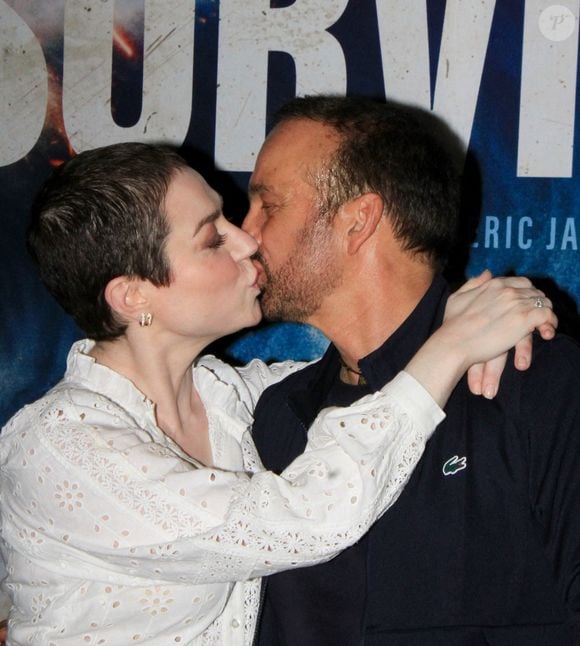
127	296
361	217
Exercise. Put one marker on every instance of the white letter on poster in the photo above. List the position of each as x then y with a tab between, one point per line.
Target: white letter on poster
548	93
24	87
405	56
248	31
167	73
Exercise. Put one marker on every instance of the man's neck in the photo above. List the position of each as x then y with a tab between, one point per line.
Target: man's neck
358	319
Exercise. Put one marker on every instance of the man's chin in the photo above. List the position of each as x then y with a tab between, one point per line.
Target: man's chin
270	311
277	312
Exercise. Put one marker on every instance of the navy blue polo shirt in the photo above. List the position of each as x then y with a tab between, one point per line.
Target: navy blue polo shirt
483	545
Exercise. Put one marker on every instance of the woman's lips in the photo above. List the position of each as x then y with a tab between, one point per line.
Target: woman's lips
261	274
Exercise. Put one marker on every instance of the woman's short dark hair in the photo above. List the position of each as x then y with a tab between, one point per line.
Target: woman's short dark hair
99	216
395	151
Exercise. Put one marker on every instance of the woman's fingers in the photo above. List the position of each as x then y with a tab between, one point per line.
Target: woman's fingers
476	281
523	355
483	378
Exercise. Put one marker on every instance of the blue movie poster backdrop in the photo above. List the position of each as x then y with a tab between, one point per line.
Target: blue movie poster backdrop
208	76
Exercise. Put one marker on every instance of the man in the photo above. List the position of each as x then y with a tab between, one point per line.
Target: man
354	205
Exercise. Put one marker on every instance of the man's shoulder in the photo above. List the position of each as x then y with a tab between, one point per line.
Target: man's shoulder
551	380
560	355
298	380
282	415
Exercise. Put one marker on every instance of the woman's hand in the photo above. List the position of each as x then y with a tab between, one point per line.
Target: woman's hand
483	320
483	378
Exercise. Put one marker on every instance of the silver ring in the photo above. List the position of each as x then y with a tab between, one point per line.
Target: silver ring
538	301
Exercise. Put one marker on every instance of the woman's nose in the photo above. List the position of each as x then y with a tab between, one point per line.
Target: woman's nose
244	245
252	224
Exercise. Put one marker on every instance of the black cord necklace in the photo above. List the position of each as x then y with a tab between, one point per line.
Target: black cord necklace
361	380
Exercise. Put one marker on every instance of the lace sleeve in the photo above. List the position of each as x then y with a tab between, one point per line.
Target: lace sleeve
74	503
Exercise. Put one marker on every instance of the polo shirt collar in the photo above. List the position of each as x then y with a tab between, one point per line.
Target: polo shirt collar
379	366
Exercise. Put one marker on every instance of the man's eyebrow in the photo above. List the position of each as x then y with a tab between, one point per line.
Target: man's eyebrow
211	217
258	187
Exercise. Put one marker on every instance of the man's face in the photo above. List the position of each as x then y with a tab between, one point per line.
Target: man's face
295	246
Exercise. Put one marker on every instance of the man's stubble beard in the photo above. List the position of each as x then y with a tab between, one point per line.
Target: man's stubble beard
295	290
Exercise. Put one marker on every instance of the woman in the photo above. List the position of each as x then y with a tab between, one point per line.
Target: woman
128	509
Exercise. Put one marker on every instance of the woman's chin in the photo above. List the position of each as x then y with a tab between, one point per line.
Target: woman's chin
257	317
251	320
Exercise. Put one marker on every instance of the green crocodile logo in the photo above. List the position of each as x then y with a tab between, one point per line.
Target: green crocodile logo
454	464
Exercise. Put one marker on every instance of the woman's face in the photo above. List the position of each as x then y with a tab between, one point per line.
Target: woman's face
213	291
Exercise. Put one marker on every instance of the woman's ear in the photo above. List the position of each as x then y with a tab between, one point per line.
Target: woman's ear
361	217
127	297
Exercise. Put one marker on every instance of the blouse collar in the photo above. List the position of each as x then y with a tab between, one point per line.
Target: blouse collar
104	381
216	393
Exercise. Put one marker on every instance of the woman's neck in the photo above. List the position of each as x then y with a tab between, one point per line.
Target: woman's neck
165	377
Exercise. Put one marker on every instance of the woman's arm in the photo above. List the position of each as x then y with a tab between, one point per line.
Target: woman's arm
108	502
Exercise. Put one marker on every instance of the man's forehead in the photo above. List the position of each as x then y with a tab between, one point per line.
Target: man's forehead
292	150
299	136
277	183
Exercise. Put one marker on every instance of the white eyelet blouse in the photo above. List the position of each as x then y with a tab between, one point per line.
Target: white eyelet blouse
113	536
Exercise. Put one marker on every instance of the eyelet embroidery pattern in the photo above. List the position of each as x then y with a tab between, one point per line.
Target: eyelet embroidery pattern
300	546
84	452
68	496
38	606
252	460
164	533
214	633
156	600
251	607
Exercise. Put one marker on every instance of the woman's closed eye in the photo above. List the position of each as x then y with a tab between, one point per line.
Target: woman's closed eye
217	241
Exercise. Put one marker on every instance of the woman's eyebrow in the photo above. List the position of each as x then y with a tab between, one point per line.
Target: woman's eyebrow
208	219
